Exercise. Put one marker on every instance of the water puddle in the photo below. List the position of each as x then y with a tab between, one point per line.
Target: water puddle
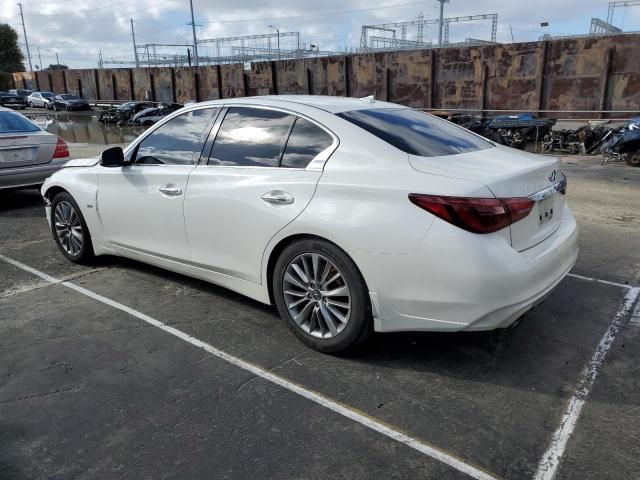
78	128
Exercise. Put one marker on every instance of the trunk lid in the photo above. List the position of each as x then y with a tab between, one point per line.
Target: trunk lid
26	149
509	173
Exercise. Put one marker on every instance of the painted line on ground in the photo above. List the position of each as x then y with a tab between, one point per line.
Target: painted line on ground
635	317
598	280
550	461
348	412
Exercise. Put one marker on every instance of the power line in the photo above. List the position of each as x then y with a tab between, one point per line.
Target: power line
317	14
111	18
91	10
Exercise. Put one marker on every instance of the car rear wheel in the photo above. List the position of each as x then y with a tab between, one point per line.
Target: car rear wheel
322	296
70	230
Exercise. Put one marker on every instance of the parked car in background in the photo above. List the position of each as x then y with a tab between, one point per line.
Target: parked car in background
122	113
40	99
149	116
349	215
20	92
12	100
28	154
69	102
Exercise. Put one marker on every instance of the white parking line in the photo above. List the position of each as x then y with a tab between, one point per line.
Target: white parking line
551	459
635	317
332	405
597	280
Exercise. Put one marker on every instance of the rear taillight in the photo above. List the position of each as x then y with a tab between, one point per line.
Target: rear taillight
477	215
62	150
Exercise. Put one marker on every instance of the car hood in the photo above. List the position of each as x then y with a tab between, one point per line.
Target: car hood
82	162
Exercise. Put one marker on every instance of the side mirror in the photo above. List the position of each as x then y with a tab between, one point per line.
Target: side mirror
112	157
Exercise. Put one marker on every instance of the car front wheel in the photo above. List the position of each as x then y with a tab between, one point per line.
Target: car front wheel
322	296
69	229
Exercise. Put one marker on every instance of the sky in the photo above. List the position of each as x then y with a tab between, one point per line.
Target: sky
78	31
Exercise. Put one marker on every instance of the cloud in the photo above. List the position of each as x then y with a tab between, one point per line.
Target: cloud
79	31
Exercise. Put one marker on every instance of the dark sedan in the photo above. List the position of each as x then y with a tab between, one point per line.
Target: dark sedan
8	99
69	102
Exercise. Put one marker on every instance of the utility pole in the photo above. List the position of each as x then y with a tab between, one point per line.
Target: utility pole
39	57
278	35
135	49
57	59
195	41
442	2
24	29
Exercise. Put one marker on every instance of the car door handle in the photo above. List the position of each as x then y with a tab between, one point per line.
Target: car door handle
170	190
278	197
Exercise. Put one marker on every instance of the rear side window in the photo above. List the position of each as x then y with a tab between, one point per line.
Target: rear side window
305	143
415	132
177	142
14	123
252	137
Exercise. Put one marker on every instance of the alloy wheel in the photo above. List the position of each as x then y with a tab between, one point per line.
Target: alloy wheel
316	295
68	228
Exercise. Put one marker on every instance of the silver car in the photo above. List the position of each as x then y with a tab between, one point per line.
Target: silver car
28	154
40	99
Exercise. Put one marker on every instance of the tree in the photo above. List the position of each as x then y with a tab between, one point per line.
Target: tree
11	58
55	66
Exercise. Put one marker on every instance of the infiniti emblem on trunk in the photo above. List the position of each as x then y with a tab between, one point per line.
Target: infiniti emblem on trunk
552	175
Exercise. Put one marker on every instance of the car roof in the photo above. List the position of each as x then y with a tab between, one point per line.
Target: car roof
324	102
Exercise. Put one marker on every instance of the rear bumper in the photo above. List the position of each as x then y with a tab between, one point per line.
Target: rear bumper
29	176
458	281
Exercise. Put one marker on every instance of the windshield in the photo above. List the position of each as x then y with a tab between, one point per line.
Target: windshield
415	132
69	97
15	123
46	94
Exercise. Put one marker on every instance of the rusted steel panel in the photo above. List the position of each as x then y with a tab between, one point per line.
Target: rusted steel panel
459	78
513	75
110	77
410	78
24	80
232	80
327	74
625	92
185	84
208	84
368	75
141	85
291	77
260	79
87	82
55	81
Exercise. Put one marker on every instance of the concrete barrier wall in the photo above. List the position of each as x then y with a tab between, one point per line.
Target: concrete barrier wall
569	74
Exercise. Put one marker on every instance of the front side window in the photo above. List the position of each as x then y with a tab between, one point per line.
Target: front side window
305	143
177	142
251	137
415	132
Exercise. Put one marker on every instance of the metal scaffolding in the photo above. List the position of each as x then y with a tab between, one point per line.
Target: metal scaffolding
600	27
387	36
214	51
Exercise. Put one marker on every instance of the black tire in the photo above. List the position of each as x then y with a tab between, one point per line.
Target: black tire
84	254
359	324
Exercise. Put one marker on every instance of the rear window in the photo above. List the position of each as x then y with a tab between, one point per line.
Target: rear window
415	132
15	123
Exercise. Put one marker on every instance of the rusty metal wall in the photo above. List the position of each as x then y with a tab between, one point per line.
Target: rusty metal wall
568	74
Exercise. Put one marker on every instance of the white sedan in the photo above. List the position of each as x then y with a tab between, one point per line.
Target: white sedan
350	215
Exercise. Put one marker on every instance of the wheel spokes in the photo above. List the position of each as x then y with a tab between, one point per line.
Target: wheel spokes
316	295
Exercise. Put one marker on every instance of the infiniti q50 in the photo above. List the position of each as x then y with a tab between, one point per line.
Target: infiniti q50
350	215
